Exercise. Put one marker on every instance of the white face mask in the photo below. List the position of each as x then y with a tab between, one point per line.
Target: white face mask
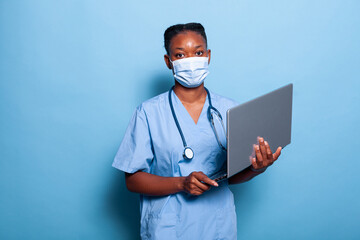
190	72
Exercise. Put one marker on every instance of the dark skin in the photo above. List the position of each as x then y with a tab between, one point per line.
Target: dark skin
183	45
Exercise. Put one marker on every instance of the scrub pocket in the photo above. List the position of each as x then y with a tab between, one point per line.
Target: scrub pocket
160	220
226	224
159	227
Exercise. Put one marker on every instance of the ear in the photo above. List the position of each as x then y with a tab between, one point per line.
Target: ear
167	61
209	55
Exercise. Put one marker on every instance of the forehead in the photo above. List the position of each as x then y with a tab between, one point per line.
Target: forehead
187	39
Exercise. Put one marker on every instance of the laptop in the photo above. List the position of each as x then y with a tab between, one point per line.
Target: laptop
268	116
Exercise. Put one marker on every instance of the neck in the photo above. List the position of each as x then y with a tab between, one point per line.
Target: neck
190	95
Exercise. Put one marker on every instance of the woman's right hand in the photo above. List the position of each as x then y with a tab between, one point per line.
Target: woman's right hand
197	183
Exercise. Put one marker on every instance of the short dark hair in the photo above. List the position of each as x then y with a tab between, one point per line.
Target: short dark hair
174	30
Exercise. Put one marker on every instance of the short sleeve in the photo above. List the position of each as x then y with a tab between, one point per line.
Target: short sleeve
135	152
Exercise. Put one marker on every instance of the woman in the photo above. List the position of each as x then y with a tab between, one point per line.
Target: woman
177	198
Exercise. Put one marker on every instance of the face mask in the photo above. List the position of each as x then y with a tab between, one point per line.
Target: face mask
190	72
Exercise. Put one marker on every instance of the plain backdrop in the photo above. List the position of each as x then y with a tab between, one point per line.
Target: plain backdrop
72	73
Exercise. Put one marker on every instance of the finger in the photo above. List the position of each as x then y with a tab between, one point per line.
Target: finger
262	148
203	178
259	159
202	185
195	191
269	154
277	153
199	186
193	185
254	163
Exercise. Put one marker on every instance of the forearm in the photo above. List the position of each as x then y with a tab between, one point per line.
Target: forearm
243	176
150	184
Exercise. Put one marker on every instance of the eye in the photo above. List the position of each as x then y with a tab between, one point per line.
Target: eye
199	53
179	55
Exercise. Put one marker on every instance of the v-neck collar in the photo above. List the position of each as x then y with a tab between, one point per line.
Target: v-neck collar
184	114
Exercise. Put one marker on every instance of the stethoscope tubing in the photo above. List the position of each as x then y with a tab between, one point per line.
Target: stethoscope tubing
210	118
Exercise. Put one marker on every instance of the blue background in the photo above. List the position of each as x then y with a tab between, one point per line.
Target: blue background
72	73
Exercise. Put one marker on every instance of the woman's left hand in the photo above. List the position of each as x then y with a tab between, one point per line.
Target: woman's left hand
263	156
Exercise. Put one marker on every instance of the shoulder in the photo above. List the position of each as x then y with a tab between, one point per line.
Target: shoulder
222	101
154	104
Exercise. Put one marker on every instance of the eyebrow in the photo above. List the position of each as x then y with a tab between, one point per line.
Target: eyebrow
196	47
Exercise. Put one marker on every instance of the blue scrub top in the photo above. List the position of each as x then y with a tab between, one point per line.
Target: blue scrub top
153	144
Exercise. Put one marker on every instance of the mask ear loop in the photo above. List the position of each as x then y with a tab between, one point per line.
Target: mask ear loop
172	66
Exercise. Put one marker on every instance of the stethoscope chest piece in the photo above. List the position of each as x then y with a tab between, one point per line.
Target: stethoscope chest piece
188	153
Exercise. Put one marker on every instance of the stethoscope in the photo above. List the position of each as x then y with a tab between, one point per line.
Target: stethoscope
188	152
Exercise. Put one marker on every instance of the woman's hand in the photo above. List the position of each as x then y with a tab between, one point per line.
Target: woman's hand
260	160
197	183
263	156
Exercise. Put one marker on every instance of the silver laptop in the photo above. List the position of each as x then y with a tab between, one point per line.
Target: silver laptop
268	116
